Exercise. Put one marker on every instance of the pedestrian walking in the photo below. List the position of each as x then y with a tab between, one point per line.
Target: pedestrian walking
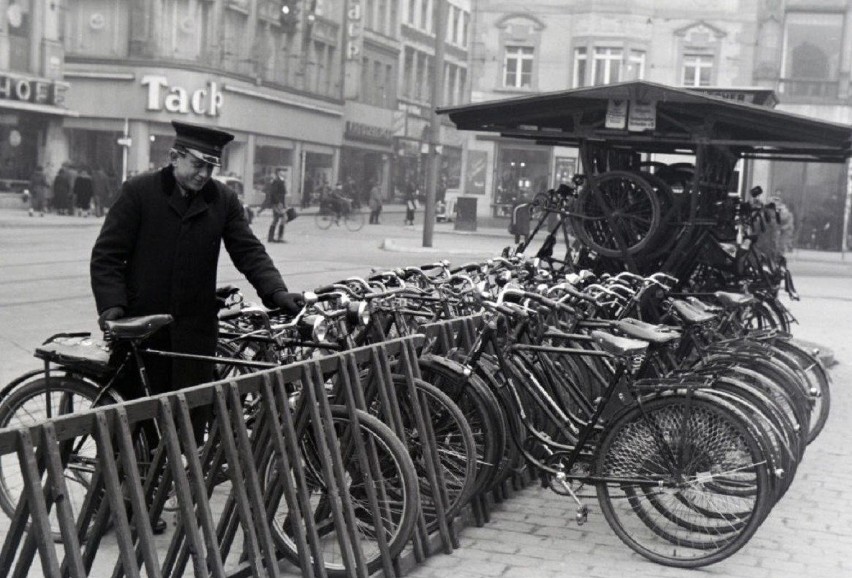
375	203
62	191
277	200
38	191
102	193
410	205
83	192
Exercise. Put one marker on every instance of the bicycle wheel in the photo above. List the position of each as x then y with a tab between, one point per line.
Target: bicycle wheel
480	409
394	481
696	485
35	402
324	220
818	383
454	442
354	220
631	206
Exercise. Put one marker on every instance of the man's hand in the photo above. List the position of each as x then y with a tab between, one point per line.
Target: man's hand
110	314
290	303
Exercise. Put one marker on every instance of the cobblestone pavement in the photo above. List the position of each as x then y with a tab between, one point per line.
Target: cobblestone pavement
808	534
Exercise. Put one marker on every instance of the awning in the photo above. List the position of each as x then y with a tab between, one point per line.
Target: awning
32	107
682	119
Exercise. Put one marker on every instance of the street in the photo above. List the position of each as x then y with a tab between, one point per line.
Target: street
44	288
44	269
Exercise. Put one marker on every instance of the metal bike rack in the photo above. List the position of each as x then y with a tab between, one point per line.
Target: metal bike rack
234	538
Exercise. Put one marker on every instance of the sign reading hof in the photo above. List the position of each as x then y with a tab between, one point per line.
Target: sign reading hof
32	90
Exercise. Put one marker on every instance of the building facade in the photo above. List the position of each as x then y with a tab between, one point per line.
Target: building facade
310	86
804	53
801	49
551	45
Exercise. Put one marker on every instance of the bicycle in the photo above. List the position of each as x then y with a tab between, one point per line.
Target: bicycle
682	476
86	380
332	213
329	321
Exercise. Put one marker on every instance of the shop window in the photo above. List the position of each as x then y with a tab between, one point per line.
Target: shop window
815	194
266	160
96	149
521	174
518	66
697	70
451	161
20	134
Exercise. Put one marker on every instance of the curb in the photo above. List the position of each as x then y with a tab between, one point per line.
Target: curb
393	246
45	223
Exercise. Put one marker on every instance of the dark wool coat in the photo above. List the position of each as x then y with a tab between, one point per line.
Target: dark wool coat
150	259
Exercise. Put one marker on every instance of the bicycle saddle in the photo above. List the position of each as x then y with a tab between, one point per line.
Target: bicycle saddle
690	314
733	300
619	346
137	327
649	332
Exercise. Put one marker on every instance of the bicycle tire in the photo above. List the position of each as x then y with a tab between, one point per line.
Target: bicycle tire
712	442
21	408
633	205
819	384
354	220
510	459
324	220
479	407
399	479
455	445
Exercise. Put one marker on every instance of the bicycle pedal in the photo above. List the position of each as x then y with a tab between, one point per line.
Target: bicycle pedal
582	515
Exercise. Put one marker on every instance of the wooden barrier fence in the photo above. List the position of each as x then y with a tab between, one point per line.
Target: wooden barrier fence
275	437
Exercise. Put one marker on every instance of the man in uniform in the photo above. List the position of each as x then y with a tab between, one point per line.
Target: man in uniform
158	252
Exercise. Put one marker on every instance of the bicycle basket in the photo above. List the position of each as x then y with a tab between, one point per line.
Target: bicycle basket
76	351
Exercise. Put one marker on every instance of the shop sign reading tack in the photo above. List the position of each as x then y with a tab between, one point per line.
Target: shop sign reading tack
163	96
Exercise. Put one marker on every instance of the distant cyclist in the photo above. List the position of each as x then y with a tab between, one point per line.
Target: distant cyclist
338	202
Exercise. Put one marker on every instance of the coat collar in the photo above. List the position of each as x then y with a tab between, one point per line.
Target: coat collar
199	203
167	179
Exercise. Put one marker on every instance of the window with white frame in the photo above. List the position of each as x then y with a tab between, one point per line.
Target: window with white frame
412	12
518	66
581	65
635	69
424	15
606	66
697	69
465	18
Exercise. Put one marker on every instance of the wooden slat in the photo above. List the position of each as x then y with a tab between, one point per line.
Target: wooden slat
39	523
59	491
